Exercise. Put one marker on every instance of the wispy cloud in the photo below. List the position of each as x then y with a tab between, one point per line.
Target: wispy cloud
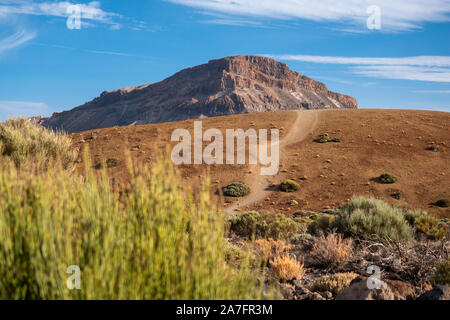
421	68
396	15
432	91
91	13
20	37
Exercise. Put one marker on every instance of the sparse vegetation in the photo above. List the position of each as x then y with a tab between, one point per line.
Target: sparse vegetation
373	219
112	162
442	274
286	268
443	203
332	250
152	245
23	141
325	138
322	224
431	227
263	225
236	189
387	178
268	249
334	283
289	186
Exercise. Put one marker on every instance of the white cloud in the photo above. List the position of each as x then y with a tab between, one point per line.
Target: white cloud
433	91
421	68
16	39
395	14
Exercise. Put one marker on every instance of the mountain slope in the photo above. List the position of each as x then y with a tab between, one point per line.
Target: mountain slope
233	85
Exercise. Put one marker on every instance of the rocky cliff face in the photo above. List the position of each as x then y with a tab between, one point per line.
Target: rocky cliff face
241	84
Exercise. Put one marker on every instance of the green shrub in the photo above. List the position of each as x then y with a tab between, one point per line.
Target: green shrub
443	203
412	216
264	225
325	138
152	245
289	186
373	219
442	274
23	141
236	189
112	162
387	178
431	227
322	224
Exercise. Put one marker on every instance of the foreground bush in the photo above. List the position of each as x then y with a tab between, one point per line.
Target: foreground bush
21	141
373	219
286	268
152	245
334	283
236	189
263	225
332	250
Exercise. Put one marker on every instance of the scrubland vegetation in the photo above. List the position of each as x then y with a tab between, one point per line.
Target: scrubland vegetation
155	241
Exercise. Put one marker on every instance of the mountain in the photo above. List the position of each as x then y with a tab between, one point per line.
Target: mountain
232	85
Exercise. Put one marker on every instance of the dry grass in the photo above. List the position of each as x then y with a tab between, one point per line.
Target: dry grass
268	249
334	283
286	268
332	250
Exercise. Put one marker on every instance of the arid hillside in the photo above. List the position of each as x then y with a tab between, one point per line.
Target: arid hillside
372	142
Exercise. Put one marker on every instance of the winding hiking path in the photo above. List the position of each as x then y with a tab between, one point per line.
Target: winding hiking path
304	124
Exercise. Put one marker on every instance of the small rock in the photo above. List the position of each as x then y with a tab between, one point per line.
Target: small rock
293	203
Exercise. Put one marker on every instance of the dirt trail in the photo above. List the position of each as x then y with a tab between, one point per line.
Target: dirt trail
304	124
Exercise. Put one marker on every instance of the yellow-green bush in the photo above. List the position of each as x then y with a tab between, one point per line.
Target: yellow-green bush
154	244
431	227
24	141
264	225
334	283
442	275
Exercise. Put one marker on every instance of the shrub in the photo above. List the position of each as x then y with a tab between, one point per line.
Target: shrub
267	249
443	203
112	162
387	178
442	274
236	189
431	227
239	256
263	225
323	224
412	216
286	268
372	219
152	245
334	283
23	141
289	186
325	138
332	250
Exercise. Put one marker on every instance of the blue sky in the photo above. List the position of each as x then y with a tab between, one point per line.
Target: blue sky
403	62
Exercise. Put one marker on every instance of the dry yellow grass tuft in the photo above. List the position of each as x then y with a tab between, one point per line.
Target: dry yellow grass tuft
334	283
267	249
286	268
332	250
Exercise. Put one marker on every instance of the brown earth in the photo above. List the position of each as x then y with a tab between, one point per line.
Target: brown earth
372	142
